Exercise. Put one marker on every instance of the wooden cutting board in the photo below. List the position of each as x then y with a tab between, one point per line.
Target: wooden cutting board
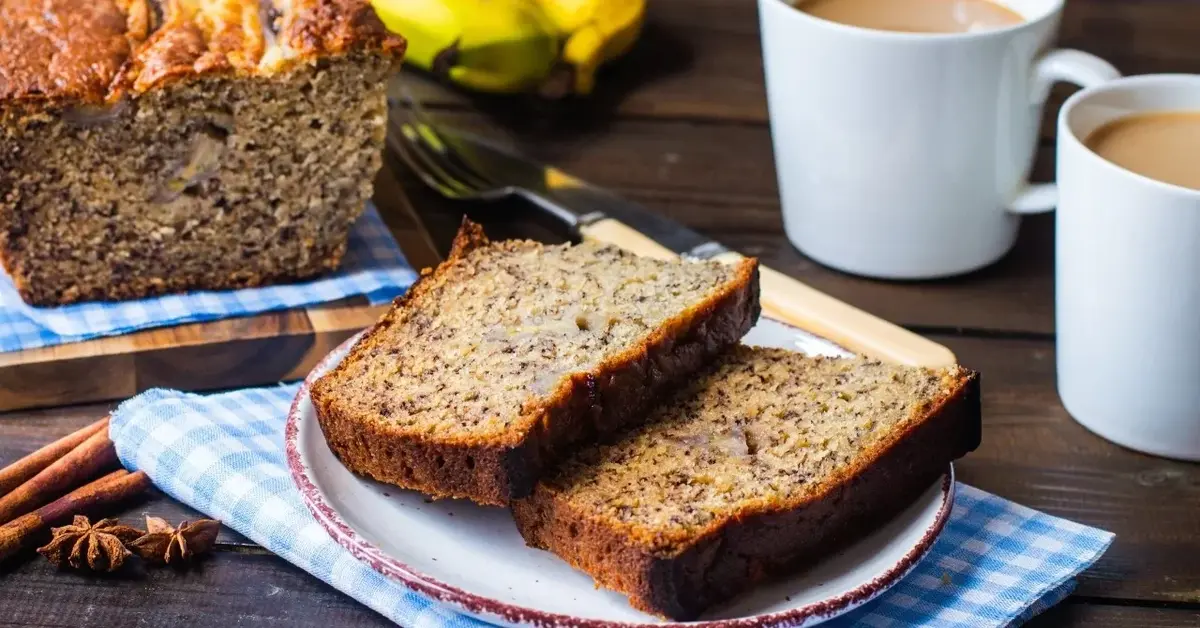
247	351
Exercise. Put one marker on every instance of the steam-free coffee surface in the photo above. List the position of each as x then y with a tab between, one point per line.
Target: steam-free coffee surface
1164	146
915	16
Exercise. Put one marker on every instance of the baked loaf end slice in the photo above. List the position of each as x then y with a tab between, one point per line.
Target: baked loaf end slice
510	354
760	465
159	146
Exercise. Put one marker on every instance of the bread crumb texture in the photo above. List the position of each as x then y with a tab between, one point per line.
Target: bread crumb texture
766	428
157	147
507	325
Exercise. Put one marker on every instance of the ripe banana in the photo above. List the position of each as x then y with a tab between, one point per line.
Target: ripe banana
486	45
515	45
594	31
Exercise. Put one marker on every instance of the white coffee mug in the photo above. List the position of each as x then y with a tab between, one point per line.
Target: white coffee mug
1128	279
906	155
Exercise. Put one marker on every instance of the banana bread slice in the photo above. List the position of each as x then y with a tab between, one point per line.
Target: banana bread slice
755	468
512	353
157	146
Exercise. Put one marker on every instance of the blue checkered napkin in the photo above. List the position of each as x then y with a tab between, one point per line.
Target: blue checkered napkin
373	266
996	563
224	456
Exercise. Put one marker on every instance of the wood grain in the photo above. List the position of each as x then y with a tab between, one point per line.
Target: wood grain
395	207
1102	616
676	169
228	589
197	356
1035	454
701	60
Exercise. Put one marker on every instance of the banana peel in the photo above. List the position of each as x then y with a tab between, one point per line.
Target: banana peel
552	47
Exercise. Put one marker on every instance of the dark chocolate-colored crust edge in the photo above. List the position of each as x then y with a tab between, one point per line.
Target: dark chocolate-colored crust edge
363	550
617	393
757	546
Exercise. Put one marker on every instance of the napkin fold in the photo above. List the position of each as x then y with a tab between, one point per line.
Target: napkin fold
373	266
996	563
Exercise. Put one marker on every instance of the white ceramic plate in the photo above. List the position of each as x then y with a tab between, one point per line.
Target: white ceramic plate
473	559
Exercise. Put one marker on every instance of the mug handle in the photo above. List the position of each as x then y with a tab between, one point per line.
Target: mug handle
1070	66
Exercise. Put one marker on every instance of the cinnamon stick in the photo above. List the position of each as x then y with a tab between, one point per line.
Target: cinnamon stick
108	490
22	470
82	463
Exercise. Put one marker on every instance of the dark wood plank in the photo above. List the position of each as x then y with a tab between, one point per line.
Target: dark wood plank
701	60
1014	295
684	167
228	589
397	211
1074	613
720	180
58	379
1036	455
23	431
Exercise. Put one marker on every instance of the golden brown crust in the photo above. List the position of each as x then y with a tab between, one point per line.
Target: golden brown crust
757	544
616	392
61	49
88	51
323	27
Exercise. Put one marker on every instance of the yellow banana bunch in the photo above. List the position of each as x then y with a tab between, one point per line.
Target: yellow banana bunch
514	45
593	32
487	45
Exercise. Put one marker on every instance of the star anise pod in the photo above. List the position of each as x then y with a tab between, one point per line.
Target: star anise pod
84	545
165	545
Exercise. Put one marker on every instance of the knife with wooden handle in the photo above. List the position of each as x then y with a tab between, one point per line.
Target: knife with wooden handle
596	214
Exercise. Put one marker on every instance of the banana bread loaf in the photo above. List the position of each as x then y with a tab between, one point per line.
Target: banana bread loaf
155	146
512	353
769	459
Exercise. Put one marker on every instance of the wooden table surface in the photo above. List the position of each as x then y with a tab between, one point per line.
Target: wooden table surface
680	125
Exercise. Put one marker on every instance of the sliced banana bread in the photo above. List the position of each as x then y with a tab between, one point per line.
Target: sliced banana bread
511	353
756	467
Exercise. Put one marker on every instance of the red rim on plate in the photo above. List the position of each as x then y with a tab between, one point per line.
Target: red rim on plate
473	604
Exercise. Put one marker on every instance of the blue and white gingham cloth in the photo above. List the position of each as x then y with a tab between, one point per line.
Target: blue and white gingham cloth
996	563
373	266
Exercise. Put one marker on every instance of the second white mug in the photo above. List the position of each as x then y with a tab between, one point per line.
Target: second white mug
907	155
1127	303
